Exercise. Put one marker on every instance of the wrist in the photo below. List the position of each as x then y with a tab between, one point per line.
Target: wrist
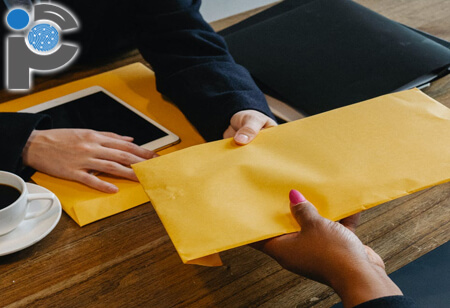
26	148
361	285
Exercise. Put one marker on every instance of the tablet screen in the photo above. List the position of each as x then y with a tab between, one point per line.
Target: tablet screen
100	112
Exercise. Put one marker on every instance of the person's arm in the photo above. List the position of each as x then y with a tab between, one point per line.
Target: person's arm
78	154
328	252
15	130
396	301
195	70
28	144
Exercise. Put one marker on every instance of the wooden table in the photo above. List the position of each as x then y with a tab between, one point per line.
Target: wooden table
128	260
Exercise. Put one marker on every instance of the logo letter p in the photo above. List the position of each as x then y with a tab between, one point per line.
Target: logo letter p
22	60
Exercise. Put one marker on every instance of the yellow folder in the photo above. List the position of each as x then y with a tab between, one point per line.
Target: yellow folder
218	196
135	84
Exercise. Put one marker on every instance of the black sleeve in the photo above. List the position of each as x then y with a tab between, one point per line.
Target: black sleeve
193	66
389	302
15	129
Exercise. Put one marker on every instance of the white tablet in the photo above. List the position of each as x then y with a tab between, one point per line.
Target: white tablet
97	109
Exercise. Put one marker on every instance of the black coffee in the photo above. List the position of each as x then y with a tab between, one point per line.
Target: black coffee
8	195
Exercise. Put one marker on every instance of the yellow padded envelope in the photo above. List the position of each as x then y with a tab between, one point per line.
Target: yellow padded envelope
135	84
217	196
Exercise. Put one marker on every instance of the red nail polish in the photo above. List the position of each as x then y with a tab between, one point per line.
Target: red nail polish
296	197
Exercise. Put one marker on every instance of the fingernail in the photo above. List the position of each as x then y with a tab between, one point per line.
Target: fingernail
113	188
296	197
155	155
241	138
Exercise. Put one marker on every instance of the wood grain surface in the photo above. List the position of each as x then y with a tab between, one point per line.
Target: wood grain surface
129	261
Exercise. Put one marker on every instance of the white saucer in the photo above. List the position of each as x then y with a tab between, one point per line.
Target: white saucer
29	232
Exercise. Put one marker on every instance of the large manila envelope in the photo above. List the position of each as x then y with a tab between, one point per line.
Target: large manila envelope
135	84
217	196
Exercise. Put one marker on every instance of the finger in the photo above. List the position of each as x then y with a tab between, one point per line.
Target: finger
230	132
252	126
112	168
304	212
259	245
116	136
94	182
119	156
245	135
374	257
280	247
351	222
247	123
270	123
128	147
270	244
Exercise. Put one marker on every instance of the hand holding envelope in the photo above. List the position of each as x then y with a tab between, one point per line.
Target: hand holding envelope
217	196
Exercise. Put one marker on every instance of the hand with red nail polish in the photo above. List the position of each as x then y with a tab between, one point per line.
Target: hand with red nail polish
330	253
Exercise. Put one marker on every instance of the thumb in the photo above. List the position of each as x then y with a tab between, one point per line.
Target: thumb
248	123
247	133
303	211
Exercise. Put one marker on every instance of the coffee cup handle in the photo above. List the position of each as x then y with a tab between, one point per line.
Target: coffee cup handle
45	196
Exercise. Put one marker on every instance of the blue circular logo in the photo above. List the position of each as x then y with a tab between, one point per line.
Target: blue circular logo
18	19
43	37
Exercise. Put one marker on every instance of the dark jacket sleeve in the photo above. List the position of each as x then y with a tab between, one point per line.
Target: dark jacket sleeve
389	302
193	66
15	129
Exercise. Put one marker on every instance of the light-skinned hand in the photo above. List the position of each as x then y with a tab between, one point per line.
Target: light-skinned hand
330	253
246	124
75	154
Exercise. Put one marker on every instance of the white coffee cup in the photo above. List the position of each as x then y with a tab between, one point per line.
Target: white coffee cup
12	215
